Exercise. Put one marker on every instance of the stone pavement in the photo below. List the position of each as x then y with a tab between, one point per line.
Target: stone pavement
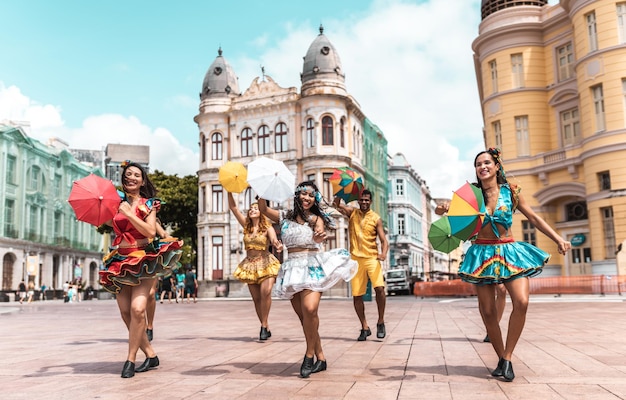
572	348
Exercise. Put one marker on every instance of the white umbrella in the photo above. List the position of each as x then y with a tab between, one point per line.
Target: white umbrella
271	179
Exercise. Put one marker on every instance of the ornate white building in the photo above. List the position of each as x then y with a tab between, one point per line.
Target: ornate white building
312	132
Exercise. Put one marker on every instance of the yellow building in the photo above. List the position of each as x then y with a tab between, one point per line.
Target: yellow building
552	84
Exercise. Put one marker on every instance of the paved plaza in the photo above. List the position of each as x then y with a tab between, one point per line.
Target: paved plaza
572	348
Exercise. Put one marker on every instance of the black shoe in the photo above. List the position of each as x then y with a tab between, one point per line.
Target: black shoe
380	330
364	334
498	370
129	369
486	339
150	334
319	366
148	364
307	367
265	334
507	371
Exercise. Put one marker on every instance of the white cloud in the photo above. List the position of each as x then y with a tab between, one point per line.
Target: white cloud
166	152
410	67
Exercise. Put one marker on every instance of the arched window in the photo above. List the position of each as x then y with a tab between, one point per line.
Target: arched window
216	146
280	139
246	142
342	134
202	148
264	140
310	133
327	131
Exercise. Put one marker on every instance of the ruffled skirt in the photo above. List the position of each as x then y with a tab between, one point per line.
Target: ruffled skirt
313	271
490	263
254	270
127	266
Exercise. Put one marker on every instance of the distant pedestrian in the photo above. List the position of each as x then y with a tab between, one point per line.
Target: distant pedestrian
21	291
31	291
191	284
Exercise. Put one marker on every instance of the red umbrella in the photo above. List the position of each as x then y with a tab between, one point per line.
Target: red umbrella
94	199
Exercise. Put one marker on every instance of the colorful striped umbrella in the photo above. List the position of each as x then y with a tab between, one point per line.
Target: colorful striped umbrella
347	184
467	211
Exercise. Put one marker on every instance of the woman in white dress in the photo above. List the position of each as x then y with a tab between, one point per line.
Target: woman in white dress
307	271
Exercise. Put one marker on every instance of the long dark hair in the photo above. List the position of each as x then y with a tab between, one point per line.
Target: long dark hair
500	175
495	156
147	190
298	210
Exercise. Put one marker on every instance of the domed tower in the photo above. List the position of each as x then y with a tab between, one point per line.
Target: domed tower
321	71
220	80
488	7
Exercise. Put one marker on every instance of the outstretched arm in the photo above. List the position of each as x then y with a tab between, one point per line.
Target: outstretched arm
268	212
342	208
542	225
233	208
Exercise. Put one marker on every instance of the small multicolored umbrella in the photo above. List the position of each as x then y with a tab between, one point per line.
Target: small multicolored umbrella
233	176
441	237
467	211
347	184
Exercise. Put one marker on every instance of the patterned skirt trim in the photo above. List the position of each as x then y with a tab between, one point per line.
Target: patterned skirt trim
498	261
313	271
254	270
128	266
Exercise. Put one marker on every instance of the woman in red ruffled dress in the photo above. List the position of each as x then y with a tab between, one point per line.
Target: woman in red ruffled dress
136	261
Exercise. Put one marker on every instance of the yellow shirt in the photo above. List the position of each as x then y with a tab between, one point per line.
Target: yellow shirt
362	228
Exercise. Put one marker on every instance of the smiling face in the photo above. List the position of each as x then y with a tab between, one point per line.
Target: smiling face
133	179
307	198
365	202
254	212
486	167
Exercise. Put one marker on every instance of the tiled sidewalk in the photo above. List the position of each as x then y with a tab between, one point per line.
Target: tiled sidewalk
572	348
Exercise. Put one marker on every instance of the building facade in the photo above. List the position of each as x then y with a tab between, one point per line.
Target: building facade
40	239
312	132
552	85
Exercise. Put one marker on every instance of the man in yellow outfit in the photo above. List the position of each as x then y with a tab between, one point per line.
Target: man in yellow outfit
364	227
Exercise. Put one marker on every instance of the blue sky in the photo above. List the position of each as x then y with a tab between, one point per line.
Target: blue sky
93	73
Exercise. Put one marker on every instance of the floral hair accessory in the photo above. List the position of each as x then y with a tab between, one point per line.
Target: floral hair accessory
125	163
316	193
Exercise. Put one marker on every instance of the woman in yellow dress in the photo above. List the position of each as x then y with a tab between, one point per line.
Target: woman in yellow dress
260	267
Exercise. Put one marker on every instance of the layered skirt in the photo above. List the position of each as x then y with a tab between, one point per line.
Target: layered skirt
254	270
498	261
127	266
313	271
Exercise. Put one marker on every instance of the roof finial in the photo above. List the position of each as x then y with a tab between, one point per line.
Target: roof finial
219	51
321	29
263	72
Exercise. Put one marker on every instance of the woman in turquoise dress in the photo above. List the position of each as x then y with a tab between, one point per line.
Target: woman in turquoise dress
136	260
495	257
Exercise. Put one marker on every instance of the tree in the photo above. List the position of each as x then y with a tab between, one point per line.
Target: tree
179	212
